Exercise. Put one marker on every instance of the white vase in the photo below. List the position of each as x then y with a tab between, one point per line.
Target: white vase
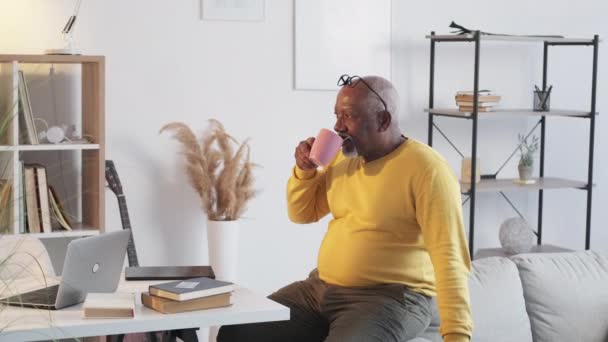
222	243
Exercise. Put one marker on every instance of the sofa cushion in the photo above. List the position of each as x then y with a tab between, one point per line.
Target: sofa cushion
497	302
566	295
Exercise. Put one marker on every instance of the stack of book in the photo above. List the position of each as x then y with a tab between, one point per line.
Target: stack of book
188	295
485	101
43	210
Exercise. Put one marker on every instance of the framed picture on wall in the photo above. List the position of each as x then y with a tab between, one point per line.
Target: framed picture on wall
233	10
336	37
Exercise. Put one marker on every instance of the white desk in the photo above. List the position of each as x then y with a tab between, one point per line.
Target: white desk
22	324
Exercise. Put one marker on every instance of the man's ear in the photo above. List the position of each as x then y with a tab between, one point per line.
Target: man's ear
384	121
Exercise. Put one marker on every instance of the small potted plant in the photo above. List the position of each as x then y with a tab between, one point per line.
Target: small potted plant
526	161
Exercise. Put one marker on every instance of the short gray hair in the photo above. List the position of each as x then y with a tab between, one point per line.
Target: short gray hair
387	91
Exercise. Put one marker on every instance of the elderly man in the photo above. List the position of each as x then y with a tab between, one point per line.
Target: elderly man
396	239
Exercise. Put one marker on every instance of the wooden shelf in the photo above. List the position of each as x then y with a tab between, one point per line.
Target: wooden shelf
50	147
76	231
65	59
83	184
488	185
521	39
505	112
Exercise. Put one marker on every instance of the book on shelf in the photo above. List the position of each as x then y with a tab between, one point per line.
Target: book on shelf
26	116
43	198
43	211
191	288
31	199
480	98
470	109
22	200
471	92
109	305
479	103
59	216
168	306
5	206
37	199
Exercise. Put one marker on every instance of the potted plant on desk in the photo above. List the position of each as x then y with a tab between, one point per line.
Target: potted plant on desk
526	160
223	179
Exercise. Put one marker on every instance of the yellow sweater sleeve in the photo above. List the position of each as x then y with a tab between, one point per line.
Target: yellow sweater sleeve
439	214
456	338
306	196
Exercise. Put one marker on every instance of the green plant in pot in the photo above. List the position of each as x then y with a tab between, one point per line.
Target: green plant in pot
527	149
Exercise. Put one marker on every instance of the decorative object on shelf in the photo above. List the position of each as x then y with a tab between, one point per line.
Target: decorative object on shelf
541	99
250	10
465	174
526	160
516	236
463	30
68	35
486	100
223	179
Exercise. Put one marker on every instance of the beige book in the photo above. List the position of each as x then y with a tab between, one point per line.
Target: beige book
43	198
59	218
480	103
5	206
168	306
470	109
480	98
109	305
31	200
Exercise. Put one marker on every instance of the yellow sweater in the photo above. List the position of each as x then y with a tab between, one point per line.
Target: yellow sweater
397	219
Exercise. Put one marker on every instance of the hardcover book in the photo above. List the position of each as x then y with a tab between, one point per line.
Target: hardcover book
191	288
109	305
168	306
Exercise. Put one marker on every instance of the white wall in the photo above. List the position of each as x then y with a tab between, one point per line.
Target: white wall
164	64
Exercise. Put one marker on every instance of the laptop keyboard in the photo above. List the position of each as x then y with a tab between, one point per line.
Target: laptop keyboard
45	296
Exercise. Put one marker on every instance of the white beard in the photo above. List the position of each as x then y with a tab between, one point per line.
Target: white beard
352	153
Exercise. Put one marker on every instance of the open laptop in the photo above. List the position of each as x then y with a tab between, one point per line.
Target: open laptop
92	264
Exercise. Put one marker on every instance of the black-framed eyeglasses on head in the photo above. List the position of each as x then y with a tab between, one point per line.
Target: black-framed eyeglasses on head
352	82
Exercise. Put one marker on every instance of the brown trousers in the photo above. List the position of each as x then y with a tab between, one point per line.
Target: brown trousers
322	312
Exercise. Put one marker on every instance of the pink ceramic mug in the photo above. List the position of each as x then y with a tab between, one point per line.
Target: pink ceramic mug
326	146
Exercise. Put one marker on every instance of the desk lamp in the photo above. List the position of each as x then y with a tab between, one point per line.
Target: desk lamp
68	33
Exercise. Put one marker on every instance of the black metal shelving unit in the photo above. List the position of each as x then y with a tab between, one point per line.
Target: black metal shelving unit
491	182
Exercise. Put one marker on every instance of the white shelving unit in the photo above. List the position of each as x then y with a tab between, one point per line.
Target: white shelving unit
87	172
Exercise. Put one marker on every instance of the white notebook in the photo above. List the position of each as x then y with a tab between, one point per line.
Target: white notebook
109	305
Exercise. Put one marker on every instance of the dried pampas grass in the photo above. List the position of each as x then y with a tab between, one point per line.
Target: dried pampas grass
221	176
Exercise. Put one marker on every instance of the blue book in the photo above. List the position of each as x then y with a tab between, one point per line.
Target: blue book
191	288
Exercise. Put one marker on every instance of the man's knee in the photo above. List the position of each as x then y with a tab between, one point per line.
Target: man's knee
246	332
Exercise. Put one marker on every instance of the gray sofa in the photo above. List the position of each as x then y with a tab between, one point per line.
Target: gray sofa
537	297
